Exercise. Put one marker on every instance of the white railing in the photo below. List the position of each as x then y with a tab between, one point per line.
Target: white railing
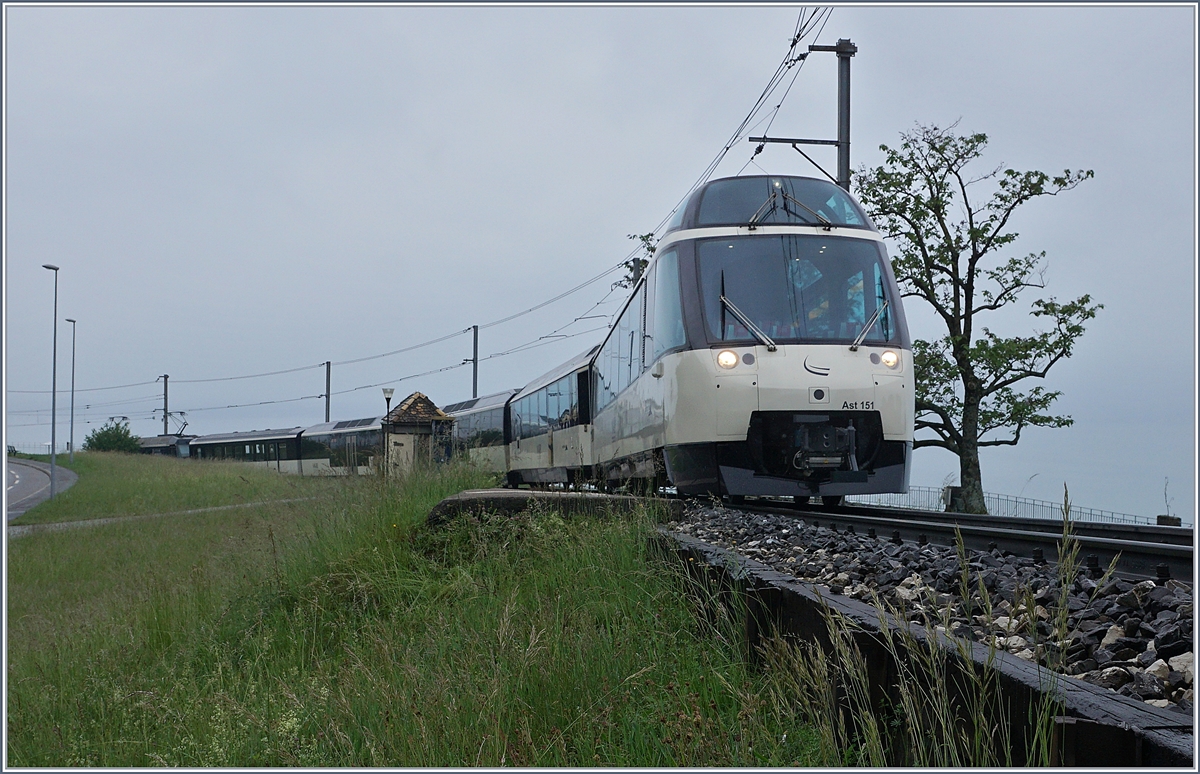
928	498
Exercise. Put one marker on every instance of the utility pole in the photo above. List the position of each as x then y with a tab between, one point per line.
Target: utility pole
475	364
54	388
71	444
844	50
328	364
165	415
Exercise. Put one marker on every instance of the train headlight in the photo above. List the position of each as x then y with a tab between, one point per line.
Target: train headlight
727	358
890	358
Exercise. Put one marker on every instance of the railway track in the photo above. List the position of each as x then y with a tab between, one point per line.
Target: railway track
756	559
1143	552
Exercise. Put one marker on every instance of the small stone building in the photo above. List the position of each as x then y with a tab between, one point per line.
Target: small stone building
415	433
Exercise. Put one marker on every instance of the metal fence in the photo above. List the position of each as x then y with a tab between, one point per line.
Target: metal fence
928	498
38	448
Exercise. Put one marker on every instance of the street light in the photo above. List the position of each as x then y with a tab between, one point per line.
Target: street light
71	445
387	399
53	385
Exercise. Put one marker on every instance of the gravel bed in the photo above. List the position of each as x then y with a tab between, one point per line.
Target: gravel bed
1132	638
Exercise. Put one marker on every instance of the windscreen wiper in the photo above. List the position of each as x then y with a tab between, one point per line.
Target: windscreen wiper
769	206
863	333
762	211
750	326
826	222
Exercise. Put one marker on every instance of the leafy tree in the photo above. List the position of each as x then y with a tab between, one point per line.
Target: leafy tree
637	264
953	253
113	436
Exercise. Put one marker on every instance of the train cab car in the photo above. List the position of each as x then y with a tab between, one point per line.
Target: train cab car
765	351
349	447
277	450
549	427
478	433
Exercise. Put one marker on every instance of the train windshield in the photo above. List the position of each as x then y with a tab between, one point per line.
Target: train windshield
766	200
796	288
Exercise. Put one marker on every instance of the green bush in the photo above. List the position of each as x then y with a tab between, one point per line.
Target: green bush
114	436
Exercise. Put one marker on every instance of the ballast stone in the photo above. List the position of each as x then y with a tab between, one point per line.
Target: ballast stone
913	576
1111	678
1185	663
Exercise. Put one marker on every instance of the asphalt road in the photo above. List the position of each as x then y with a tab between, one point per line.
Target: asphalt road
29	484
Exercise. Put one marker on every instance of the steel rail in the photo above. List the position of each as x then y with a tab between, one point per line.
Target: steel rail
1136	556
1147	533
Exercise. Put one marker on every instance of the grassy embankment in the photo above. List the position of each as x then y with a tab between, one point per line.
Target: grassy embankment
341	631
112	484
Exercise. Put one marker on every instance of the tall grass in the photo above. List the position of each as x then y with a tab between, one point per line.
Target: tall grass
936	707
345	632
113	484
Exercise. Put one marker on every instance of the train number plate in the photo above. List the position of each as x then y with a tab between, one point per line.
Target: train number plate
861	405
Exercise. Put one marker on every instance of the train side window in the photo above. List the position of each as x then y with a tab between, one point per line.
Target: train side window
629	365
552	405
667	328
573	400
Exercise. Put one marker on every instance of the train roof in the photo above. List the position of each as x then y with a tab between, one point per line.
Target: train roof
485	402
250	435
577	363
738	201
345	426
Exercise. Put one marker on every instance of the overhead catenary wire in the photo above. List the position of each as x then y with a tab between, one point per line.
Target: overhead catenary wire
803	27
743	129
126	402
407	348
250	376
87	389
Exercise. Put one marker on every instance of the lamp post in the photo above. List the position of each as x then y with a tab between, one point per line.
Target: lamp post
387	399
53	386
71	444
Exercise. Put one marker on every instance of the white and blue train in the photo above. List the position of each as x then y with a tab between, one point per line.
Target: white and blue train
764	351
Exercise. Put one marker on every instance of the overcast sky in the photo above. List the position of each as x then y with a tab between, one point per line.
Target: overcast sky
239	190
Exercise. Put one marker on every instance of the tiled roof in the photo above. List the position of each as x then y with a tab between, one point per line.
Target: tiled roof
414	408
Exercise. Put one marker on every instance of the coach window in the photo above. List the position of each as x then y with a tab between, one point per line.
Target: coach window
668	313
572	400
552	405
629	345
